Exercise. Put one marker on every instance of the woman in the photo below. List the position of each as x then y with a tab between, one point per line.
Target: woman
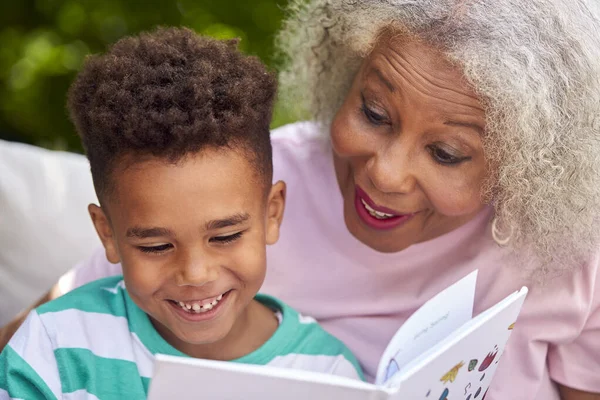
463	135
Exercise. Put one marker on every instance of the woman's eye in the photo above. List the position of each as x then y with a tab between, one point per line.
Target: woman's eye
373	117
226	239
155	249
444	157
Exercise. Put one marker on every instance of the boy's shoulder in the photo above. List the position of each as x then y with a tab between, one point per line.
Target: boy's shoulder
103	296
89	322
302	341
300	332
80	343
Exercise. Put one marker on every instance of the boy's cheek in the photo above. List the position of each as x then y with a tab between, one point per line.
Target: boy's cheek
142	277
250	265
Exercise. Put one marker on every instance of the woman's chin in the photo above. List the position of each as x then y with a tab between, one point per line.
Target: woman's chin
383	241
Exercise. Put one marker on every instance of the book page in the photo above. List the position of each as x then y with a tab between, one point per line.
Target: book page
434	321
190	378
463	365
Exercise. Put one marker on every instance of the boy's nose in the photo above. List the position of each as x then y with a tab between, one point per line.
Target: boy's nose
196	276
196	272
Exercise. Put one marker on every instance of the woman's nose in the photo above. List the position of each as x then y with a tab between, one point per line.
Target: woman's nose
391	171
196	271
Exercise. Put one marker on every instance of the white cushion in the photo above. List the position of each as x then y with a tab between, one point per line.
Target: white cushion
44	225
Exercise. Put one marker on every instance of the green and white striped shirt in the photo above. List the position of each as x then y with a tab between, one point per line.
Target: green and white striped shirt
95	342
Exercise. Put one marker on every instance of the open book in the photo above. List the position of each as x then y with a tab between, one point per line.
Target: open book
440	352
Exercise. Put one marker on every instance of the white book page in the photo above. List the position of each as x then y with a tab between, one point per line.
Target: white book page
188	378
434	321
463	364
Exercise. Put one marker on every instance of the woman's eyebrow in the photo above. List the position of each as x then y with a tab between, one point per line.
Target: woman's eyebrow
475	127
232	220
383	80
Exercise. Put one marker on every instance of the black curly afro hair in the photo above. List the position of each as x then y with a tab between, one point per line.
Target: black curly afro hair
170	93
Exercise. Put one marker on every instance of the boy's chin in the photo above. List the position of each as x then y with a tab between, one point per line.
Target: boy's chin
181	335
203	333
200	339
190	341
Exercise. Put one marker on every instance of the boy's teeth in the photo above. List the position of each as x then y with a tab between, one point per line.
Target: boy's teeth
197	308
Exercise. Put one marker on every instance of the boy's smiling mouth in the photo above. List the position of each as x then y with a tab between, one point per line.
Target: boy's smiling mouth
209	305
199	306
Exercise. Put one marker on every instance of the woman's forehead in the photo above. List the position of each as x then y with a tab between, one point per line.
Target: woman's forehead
402	66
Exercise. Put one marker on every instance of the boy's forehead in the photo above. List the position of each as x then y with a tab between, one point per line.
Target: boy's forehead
217	158
214	179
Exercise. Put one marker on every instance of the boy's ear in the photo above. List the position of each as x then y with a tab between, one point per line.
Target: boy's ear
275	208
105	233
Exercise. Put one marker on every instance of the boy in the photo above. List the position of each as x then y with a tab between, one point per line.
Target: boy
176	128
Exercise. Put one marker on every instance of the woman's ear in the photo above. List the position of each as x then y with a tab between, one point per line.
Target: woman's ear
275	208
105	233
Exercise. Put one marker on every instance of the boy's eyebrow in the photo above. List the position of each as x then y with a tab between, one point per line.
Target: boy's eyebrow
143	233
233	220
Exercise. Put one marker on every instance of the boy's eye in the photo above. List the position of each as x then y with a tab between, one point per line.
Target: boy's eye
226	239
155	249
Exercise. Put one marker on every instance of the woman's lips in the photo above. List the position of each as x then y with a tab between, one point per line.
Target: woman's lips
364	196
377	217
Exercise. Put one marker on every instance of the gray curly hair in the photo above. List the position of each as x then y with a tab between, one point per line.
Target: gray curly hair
536	66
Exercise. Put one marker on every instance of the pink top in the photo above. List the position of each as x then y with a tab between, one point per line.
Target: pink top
363	296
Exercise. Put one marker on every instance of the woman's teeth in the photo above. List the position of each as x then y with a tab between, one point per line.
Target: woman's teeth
376	214
198	308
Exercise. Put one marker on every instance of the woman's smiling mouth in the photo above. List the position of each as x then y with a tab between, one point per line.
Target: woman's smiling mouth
377	217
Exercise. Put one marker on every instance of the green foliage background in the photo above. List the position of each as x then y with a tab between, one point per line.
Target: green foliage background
43	42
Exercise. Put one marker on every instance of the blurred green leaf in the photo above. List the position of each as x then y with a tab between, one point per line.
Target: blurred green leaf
71	18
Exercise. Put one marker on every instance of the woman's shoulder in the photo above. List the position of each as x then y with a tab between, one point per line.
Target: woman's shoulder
300	140
300	148
299	132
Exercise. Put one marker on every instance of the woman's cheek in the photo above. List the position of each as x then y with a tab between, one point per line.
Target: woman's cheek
349	136
454	197
341	138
